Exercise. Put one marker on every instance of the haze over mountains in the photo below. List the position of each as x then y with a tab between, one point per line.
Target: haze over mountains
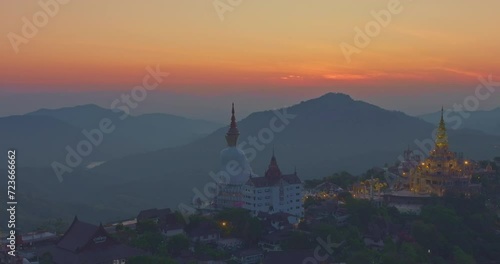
43	136
327	134
486	121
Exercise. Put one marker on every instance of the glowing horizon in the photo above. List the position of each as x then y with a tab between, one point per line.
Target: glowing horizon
283	44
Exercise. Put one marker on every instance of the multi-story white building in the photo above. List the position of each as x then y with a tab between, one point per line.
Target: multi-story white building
274	192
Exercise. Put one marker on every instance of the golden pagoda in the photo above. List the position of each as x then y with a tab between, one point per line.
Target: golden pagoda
442	171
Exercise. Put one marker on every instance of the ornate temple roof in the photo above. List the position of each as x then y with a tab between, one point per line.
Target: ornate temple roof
233	132
442	137
442	170
87	243
77	236
273	171
273	176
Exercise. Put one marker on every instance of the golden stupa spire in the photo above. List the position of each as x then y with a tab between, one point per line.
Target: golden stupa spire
442	137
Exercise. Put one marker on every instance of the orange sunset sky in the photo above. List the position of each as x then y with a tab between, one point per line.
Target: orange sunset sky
261	47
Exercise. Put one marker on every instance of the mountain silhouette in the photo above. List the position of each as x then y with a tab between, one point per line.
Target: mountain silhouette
328	134
43	136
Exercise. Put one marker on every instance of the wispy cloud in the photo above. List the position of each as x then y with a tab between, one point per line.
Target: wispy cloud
459	71
352	76
292	77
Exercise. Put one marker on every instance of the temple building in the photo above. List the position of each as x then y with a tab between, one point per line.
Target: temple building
87	243
241	188
274	192
443	171
235	170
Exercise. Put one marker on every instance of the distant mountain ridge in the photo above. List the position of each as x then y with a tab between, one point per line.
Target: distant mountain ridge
486	121
43	136
37	139
328	134
82	116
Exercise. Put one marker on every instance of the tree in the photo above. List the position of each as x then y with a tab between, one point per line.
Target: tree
363	256
461	257
445	220
343	179
309	184
125	235
150	241
409	252
204	250
176	244
180	218
327	230
195	220
119	227
427	235
344	196
390	253
150	260
46	258
147	226
361	212
239	223
298	241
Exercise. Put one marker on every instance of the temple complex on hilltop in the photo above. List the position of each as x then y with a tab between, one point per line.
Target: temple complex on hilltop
241	188
443	171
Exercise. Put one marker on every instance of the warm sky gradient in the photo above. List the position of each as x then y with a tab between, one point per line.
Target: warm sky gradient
432	49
